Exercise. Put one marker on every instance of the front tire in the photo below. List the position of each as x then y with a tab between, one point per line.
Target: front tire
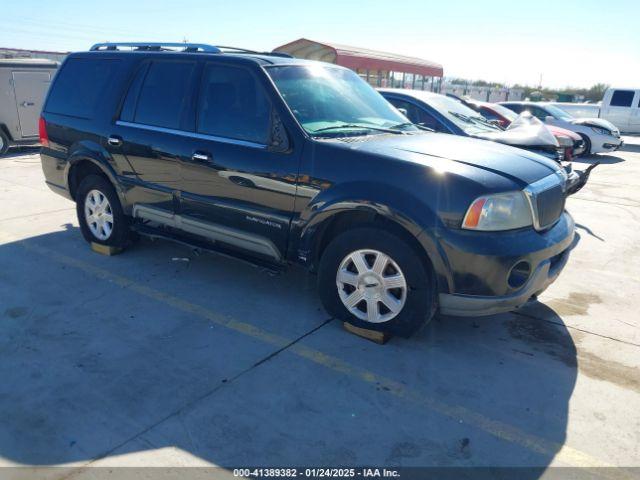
587	145
100	214
374	279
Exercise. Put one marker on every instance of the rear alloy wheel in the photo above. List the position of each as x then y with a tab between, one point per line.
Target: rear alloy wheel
373	279
100	214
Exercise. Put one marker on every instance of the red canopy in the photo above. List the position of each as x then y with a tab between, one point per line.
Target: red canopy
360	58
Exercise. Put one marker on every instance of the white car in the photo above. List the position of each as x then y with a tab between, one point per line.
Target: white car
599	135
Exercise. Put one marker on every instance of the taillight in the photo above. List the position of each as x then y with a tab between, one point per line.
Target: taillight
42	131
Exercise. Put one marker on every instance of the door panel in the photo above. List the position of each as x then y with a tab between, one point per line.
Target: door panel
634	119
30	89
231	178
242	187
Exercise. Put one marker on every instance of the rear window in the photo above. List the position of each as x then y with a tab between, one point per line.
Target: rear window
622	98
165	93
80	85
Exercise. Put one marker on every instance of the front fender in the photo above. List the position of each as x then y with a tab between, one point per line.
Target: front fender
392	204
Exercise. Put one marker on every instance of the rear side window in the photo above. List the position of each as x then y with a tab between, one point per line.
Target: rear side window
622	98
418	115
165	93
80	85
233	105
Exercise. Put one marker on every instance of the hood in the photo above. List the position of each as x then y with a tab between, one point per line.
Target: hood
524	131
596	122
429	149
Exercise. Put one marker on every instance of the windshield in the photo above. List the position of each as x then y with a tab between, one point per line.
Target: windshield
329	101
503	111
558	113
467	119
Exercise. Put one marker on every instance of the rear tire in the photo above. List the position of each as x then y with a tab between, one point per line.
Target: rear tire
100	214
4	143
374	279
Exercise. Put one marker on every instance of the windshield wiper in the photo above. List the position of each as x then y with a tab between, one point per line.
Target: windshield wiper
355	125
411	124
462	117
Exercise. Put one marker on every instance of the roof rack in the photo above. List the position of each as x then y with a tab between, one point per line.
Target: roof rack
156	46
182	47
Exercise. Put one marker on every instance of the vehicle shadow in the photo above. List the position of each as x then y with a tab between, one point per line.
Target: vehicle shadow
15	152
630	147
602	158
102	357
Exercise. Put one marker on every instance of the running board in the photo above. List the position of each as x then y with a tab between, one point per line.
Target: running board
210	231
189	241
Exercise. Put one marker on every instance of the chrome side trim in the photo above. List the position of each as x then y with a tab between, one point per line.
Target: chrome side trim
211	231
184	133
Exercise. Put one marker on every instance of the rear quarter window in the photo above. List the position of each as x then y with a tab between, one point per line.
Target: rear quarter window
80	85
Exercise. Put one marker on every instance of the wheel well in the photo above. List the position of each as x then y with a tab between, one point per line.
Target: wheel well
342	222
79	171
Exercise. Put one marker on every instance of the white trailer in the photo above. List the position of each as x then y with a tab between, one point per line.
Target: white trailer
23	87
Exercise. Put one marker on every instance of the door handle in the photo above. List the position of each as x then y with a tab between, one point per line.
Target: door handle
114	141
201	157
27	104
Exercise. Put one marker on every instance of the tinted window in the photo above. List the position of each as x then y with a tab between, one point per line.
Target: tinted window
131	100
622	98
232	104
489	114
538	112
80	85
418	115
515	107
164	96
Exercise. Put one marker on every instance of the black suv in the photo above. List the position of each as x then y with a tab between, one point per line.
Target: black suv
282	161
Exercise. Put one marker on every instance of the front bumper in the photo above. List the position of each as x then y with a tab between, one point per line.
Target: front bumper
546	265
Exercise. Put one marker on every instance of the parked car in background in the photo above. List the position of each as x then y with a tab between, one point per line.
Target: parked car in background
23	87
448	115
280	161
599	135
620	106
571	143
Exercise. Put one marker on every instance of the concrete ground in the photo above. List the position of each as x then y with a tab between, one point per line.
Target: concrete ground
160	357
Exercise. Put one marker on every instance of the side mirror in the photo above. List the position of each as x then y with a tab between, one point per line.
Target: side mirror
403	111
549	119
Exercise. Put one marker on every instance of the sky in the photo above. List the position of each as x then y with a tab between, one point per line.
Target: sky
562	42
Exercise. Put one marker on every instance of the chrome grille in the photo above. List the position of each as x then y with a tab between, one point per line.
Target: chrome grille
547	199
549	205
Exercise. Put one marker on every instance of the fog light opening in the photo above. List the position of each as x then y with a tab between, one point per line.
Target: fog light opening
519	274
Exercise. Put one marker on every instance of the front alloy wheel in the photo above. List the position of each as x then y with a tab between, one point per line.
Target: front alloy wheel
371	286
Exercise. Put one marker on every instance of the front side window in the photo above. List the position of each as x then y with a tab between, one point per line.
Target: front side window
165	93
622	98
328	100
232	104
557	113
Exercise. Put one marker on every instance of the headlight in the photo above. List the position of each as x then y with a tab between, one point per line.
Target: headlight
601	131
502	211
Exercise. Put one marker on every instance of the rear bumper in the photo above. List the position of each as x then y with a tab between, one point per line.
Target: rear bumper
546	267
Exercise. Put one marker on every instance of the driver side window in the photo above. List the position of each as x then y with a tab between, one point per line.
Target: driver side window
418	116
